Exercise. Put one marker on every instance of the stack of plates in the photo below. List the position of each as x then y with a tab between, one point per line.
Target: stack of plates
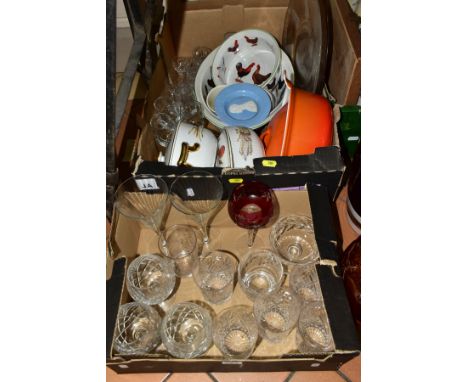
204	83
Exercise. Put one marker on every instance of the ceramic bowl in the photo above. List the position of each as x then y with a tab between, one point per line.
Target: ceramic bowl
301	126
204	83
243	105
211	97
191	146
249	56
237	147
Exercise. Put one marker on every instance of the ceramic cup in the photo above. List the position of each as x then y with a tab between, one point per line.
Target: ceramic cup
249	56
191	146
237	147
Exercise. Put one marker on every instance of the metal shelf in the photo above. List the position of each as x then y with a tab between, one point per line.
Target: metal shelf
144	16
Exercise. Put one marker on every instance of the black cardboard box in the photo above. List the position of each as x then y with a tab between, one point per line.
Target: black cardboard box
313	199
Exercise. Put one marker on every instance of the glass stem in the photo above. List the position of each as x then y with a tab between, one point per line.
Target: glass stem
252	233
157	229
204	226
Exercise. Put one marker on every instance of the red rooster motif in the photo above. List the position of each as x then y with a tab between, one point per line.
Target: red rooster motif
252	41
220	154
242	72
234	49
211	83
272	85
259	78
280	83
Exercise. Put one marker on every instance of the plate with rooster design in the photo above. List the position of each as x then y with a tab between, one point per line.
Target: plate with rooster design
250	56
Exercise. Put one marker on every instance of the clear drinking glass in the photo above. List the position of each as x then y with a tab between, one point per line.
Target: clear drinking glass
163	126
304	281
186	330
179	243
260	273
214	274
276	314
293	238
175	106
235	332
192	112
137	329
197	193
143	197
150	279
314	334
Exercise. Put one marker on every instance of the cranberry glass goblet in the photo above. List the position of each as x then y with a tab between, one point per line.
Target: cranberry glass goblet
251	206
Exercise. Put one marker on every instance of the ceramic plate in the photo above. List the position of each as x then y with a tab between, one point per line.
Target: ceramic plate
307	40
242	105
249	56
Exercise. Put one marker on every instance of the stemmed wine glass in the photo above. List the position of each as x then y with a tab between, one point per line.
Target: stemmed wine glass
143	197
197	193
251	206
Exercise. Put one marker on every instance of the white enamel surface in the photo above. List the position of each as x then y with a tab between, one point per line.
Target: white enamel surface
239	108
242	148
266	53
203	157
263	57
225	159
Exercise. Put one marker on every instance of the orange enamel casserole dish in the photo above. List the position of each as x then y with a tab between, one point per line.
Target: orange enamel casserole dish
302	125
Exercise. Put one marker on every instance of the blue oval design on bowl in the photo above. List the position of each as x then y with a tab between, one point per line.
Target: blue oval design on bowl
244	105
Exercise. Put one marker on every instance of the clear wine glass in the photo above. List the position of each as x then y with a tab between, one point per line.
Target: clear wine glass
187	330
150	278
137	329
143	197
293	238
198	194
179	243
251	206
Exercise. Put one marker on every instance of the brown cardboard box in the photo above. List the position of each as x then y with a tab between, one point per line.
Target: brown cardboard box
194	23
344	81
205	23
131	239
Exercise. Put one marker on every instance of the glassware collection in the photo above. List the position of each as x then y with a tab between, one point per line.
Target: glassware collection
188	329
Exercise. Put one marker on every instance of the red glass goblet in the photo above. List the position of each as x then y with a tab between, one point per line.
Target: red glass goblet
251	206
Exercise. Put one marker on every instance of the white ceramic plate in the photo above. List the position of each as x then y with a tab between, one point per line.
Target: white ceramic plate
249	56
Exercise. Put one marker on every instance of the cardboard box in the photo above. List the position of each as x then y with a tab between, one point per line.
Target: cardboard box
344	81
130	239
190	24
